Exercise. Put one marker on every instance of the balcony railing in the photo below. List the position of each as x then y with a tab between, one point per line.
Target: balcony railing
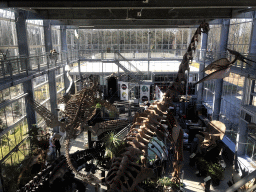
95	54
13	68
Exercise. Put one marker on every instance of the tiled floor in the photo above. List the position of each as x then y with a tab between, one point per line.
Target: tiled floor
192	182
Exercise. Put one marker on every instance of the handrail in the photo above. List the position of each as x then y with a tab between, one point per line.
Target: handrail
17	69
120	133
71	82
119	54
242	181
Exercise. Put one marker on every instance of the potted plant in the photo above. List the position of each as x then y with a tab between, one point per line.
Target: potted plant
202	166
216	172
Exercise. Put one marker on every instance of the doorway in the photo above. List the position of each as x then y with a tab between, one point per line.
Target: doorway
112	82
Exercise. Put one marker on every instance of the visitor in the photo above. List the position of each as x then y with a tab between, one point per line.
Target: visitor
110	92
164	158
57	146
158	166
51	147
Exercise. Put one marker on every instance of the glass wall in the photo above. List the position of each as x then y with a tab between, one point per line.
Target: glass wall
35	34
56	39
213	43
239	35
59	83
13	123
72	44
8	40
232	93
41	94
132	40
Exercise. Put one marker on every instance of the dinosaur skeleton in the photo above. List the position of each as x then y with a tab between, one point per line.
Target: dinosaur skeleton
222	66
45	179
125	173
79	110
178	87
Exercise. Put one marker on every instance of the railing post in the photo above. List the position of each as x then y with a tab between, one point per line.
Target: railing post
10	68
27	64
3	71
47	59
18	65
38	63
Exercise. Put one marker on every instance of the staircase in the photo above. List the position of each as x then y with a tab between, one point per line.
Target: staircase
131	74
130	64
121	134
50	119
111	125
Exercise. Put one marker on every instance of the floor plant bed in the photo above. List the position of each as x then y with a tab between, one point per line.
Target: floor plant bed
216	172
168	185
202	166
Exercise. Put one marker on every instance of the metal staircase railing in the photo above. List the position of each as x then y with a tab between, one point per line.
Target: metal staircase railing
130	64
50	119
121	134
134	78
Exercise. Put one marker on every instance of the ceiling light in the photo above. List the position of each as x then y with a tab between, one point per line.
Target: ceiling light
249	7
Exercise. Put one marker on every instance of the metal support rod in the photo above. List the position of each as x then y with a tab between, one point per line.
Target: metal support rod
201	67
219	82
241	182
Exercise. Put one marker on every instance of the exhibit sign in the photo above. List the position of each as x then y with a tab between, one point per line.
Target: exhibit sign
144	93
124	91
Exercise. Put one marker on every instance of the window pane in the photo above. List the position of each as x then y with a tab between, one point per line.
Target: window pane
249	148
254	100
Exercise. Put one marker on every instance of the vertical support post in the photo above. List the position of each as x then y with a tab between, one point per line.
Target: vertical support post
64	48
219	82
47	35
118	40
31	116
21	34
51	73
149	54
189	36
242	126
118	91
24	51
201	67
80	75
53	95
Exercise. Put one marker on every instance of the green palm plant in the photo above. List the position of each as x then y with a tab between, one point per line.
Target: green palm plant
113	145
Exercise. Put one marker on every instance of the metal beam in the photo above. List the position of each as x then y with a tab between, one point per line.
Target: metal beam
163	4
207	13
241	182
23	50
132	23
